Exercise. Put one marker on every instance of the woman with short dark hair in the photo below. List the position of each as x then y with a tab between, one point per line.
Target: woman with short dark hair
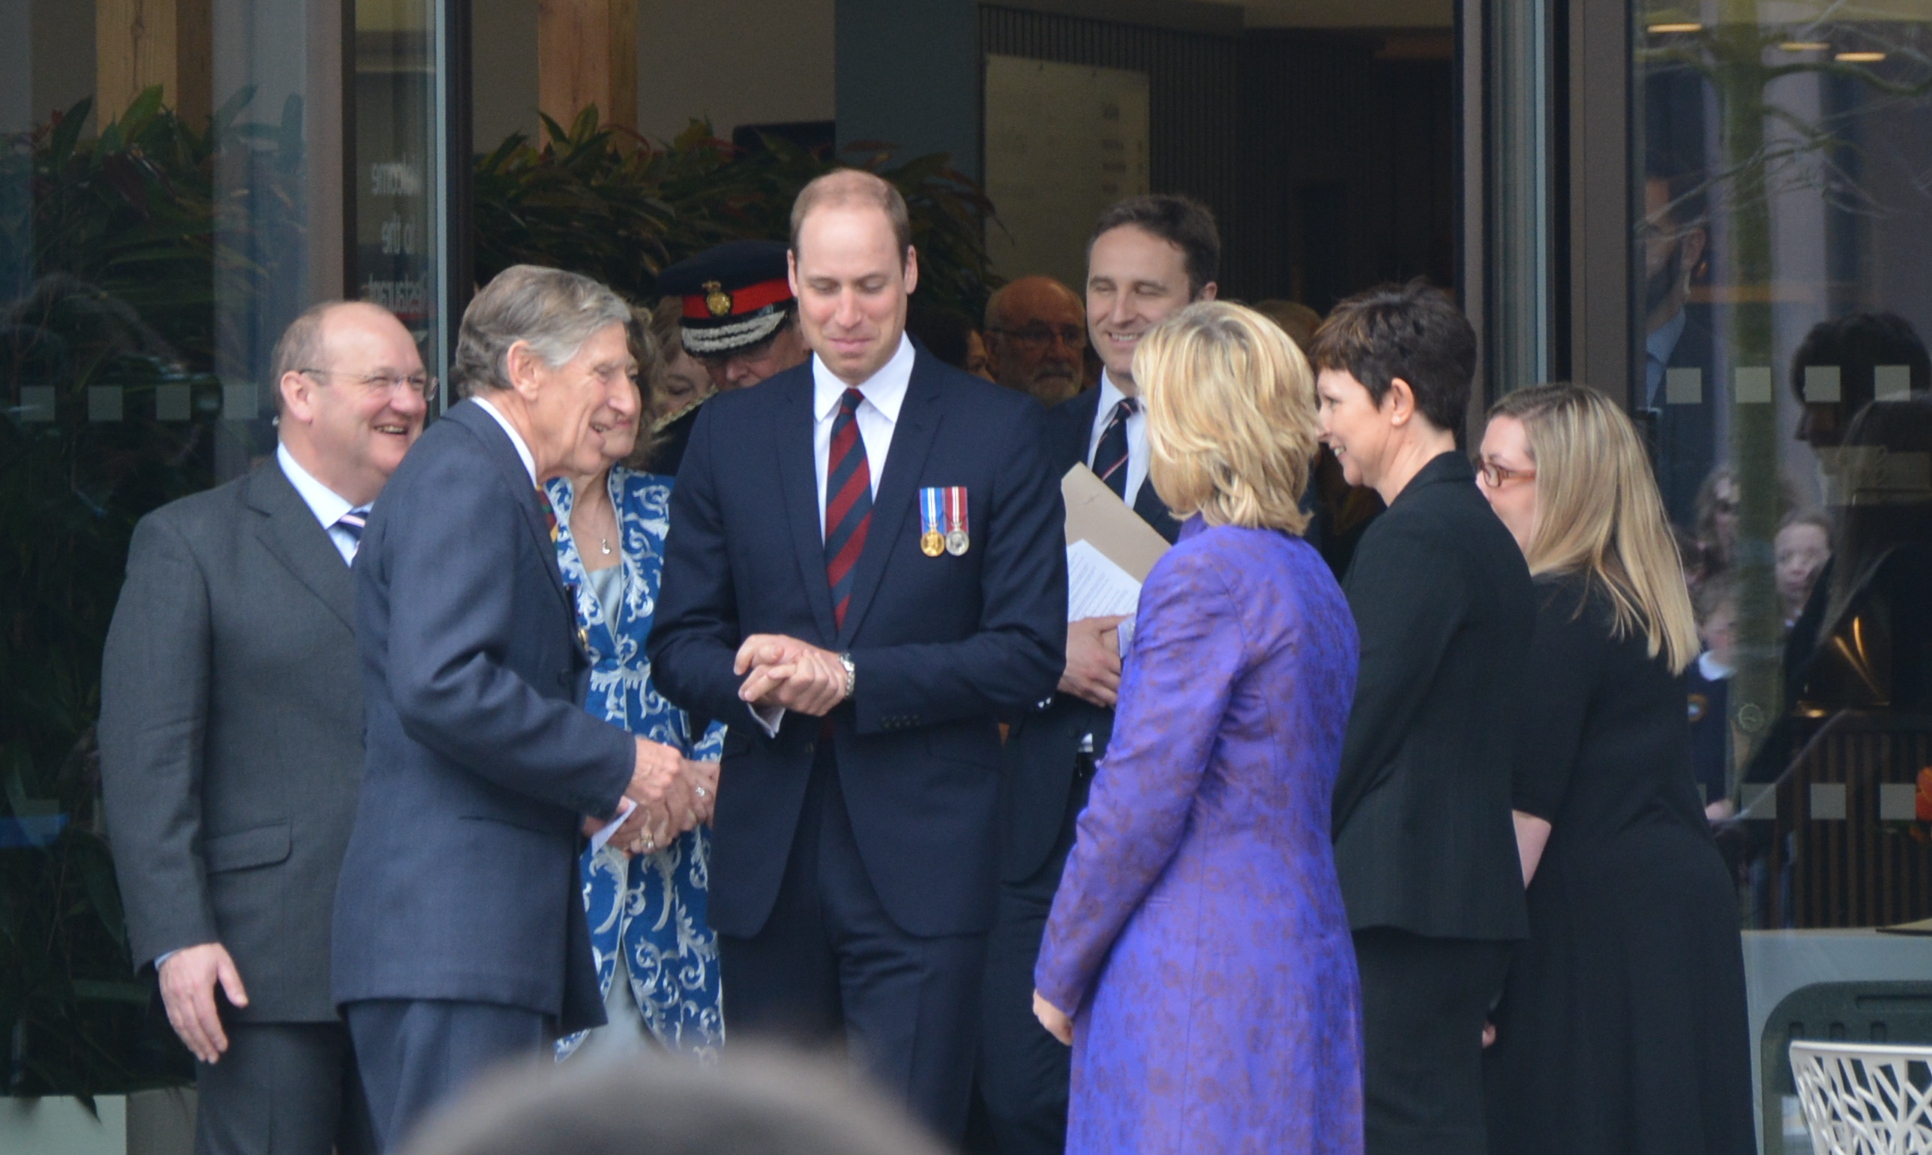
1442	599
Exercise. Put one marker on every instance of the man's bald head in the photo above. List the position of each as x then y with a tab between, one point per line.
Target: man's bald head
1036	338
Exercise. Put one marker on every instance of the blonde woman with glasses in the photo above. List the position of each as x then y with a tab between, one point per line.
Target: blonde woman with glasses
1198	956
1622	1026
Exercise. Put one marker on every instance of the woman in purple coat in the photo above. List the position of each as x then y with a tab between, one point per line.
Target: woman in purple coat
1198	956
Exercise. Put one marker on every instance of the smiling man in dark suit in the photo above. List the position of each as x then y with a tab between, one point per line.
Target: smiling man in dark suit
865	566
460	938
1148	258
231	738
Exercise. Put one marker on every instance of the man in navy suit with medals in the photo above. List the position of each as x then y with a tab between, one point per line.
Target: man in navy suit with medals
1149	258
864	570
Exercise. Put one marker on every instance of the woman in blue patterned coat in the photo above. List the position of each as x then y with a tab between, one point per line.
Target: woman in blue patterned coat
647	910
1198	955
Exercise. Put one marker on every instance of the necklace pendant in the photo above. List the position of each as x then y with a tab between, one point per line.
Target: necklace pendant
604	542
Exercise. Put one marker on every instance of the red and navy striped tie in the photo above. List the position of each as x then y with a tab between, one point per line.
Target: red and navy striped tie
1110	456
848	502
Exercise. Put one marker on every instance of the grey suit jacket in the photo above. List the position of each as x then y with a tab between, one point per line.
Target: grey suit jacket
231	737
461	880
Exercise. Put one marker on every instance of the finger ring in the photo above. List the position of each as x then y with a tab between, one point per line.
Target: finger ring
650	844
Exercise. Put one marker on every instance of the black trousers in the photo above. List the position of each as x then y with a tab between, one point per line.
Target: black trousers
282	1089
415	1054
1024	1072
830	966
1423	1005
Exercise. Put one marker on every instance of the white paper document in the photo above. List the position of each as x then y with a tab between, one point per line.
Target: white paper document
1096	586
604	832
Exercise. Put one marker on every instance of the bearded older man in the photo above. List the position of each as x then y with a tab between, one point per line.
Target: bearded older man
1036	339
460	939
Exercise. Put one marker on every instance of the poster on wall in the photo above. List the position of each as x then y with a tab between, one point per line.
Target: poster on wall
1063	141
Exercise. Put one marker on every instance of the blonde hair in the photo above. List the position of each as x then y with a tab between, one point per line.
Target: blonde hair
1598	513
1231	422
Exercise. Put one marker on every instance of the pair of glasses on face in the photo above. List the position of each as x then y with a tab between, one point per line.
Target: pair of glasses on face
1495	475
1040	336
420	384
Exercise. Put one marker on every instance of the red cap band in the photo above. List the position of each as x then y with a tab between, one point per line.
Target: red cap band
736	302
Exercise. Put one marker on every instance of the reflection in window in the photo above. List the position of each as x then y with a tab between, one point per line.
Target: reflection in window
1781	248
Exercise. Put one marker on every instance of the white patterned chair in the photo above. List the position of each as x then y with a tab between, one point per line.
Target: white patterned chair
1865	1098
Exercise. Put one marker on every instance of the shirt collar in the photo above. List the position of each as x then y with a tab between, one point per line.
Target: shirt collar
326	504
1661	344
1712	669
1110	396
516	439
886	389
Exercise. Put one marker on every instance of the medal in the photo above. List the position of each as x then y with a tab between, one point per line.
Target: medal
957	541
932	543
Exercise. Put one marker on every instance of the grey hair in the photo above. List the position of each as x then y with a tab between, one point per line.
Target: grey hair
552	311
761	1102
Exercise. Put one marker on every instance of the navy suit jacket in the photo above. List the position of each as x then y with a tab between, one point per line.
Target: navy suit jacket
1041	749
460	880
942	645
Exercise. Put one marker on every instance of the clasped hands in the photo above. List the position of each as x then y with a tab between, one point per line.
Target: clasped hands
672	793
1093	660
785	673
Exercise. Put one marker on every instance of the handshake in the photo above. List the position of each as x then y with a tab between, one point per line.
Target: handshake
671	793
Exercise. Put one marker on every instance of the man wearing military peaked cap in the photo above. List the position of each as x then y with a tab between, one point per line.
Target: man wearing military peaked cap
740	318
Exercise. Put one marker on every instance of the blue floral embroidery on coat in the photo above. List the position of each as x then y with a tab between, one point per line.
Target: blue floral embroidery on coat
652	907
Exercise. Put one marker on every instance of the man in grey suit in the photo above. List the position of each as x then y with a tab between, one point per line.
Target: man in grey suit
460	937
231	738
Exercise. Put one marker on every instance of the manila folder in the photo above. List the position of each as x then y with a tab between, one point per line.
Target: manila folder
1095	514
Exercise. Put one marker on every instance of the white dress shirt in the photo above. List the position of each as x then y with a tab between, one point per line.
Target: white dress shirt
884	392
516	439
1110	396
326	504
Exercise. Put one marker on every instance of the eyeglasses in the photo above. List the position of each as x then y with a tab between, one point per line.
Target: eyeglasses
1040	336
420	383
1494	475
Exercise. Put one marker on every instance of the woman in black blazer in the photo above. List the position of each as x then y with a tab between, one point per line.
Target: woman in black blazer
1622	1029
1421	812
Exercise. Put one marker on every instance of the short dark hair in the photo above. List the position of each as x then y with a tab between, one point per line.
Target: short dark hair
1856	345
1411	331
1181	221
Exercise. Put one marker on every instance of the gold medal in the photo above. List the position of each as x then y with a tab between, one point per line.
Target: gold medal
957	542
932	543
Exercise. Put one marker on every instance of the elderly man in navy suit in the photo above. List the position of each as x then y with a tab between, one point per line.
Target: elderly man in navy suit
865	568
460	938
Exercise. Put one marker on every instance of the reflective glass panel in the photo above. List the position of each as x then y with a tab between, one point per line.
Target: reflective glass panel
1784	292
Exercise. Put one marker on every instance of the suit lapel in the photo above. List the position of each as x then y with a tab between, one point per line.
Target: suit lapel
502	453
291	533
798	478
1154	511
912	438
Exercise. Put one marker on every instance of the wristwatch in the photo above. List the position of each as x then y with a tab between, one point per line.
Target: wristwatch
851	674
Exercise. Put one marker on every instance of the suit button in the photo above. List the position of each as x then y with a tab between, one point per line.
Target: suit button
811	747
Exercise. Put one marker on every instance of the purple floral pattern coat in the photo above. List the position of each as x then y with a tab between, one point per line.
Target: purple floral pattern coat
1198	934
